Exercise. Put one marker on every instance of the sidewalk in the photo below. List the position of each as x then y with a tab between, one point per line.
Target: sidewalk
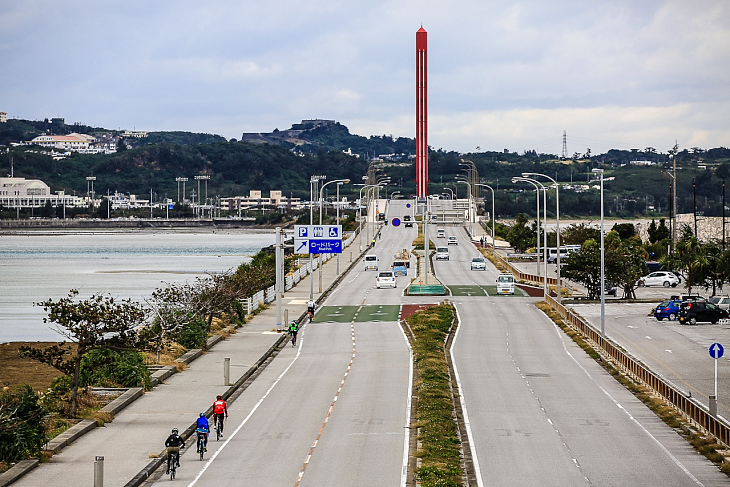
137	433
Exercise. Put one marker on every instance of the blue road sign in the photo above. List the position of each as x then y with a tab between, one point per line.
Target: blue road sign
323	246
408	205
396	222
716	351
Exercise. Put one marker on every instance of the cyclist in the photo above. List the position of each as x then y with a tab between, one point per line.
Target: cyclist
293	328
219	409
311	306
173	443
202	429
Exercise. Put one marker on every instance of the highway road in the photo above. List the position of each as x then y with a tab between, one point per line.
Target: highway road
335	409
539	408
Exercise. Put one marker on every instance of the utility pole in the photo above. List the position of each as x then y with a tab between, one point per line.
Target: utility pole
673	155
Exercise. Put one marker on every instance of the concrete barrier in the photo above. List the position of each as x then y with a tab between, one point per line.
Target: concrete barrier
18	470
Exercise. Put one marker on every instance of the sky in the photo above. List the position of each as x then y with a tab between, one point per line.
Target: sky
516	75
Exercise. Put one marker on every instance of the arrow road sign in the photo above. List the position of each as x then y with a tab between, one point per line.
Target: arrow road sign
301	247
716	351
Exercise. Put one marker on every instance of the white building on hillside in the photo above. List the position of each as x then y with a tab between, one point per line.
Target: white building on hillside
73	142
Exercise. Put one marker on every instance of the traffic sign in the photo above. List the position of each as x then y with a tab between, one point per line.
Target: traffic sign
396	222
318	239
716	351
408	205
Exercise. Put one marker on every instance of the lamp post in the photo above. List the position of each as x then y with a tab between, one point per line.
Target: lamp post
451	190
493	218
345	181
537	186
205	177
90	179
468	201
180	180
603	277
312	182
338	220
557	221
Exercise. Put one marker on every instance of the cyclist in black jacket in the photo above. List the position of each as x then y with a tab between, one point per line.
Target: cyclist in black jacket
173	443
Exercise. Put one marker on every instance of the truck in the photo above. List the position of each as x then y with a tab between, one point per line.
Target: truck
403	255
505	284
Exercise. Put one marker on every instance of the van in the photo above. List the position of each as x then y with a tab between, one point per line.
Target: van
442	253
400	268
371	262
440	233
505	284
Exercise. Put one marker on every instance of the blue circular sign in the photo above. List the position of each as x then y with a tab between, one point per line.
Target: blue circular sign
716	351
408	205
396	222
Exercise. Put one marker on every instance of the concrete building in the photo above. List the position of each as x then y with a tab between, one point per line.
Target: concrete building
3	117
73	142
254	200
32	193
137	134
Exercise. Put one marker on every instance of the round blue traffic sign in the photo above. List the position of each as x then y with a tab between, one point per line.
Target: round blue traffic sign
396	222
408	205
716	351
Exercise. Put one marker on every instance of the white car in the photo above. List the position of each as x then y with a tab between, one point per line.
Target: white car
442	253
478	263
385	279
452	240
660	278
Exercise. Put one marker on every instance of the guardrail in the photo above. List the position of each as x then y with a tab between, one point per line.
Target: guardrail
692	410
531	278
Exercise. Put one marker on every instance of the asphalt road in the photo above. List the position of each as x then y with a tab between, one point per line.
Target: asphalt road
539	408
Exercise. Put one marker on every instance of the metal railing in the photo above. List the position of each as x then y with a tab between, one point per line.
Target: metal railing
692	410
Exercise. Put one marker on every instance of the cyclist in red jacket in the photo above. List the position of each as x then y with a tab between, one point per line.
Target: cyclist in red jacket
219	409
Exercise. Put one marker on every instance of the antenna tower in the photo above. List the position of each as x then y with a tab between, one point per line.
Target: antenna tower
565	145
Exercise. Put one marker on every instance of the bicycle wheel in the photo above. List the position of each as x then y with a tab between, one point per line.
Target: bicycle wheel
219	429
201	446
173	466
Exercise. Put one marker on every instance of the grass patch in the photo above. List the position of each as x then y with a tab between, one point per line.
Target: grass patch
439	445
704	444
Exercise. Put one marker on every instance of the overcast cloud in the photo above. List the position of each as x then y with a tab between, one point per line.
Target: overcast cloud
502	74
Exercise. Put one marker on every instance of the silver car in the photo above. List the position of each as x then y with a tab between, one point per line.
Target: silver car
478	263
660	278
722	302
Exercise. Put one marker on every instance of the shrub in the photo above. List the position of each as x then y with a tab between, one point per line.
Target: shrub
110	368
22	431
193	335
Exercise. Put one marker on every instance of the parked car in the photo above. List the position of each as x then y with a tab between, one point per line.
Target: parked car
452	240
610	289
722	302
442	253
700	311
478	263
688	297
668	309
385	279
660	278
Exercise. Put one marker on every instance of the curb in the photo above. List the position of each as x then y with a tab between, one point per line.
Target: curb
21	468
70	435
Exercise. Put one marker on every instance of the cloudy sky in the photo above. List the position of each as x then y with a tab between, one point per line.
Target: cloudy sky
502	74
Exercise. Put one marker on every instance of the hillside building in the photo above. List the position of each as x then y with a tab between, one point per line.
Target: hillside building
3	117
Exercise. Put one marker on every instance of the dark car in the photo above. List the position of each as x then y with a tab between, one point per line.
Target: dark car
668	309
700	311
407	220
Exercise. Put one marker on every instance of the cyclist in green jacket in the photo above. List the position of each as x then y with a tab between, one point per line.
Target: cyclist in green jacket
293	328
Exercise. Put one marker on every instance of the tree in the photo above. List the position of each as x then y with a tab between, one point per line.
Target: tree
94	323
687	258
584	266
624	230
626	262
520	236
577	234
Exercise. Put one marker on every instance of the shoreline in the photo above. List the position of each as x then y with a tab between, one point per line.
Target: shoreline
9	227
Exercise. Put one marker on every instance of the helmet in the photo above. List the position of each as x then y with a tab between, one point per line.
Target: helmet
174	431
202	415
219	397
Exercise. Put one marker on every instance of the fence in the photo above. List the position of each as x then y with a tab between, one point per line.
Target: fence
268	295
692	410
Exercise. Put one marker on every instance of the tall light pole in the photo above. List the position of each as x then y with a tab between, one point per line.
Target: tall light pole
90	179
345	181
493	217
179	180
206	177
469	202
603	277
537	190
451	190
338	220
312	182
557	221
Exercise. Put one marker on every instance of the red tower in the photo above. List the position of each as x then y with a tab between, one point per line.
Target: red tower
421	114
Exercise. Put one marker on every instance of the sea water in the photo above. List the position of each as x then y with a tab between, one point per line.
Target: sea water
39	265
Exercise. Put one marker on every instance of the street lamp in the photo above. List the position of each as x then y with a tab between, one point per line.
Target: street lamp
312	181
205	177
345	181
179	180
493	217
603	277
468	201
557	220
451	190
537	186
90	179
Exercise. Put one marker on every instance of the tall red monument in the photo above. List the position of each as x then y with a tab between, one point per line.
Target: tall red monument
421	114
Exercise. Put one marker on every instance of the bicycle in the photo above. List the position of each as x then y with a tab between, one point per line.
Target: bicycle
310	314
293	339
174	458
201	443
219	428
